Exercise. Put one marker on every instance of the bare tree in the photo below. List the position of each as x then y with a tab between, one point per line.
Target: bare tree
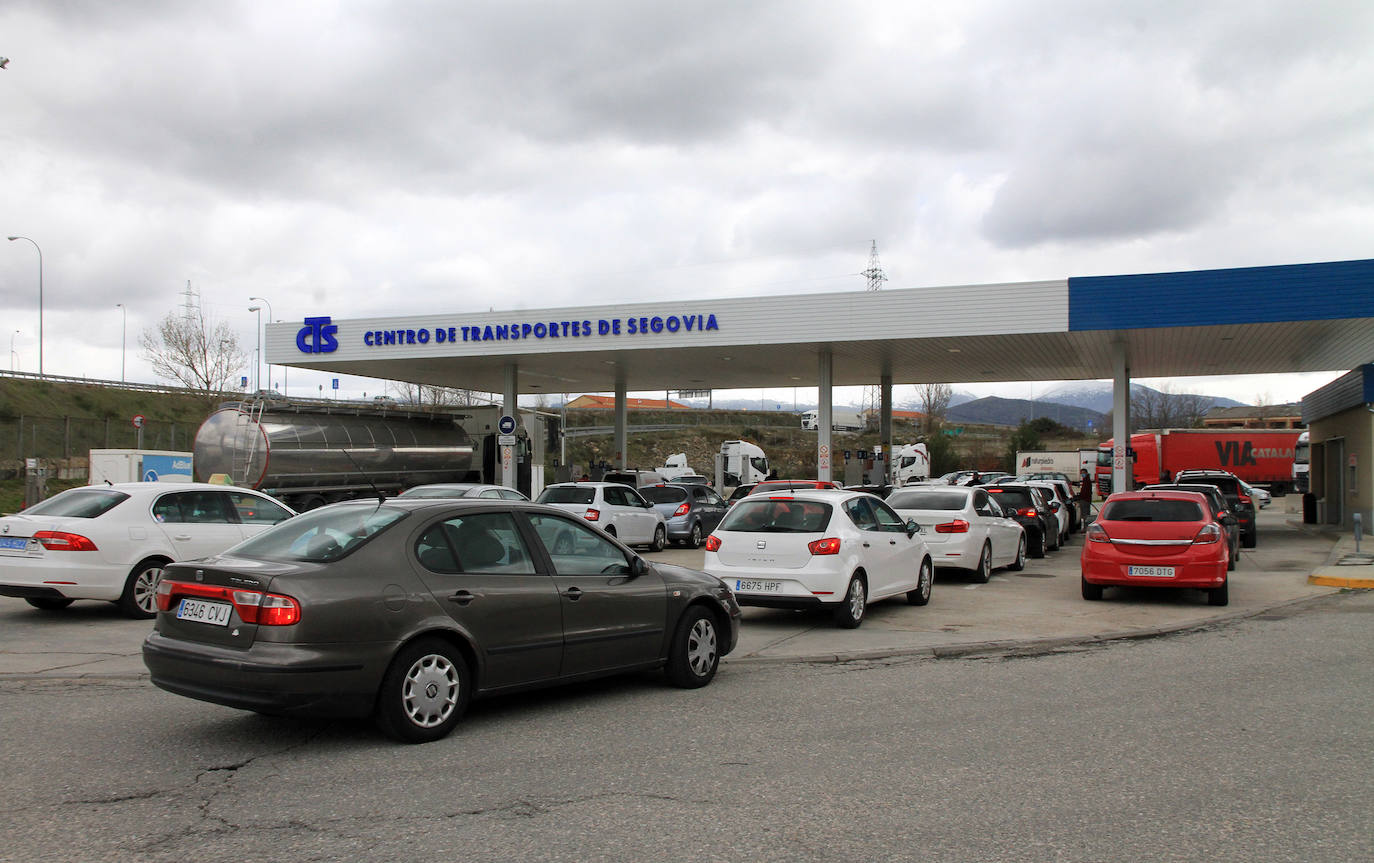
428	395
1164	409
199	353
935	400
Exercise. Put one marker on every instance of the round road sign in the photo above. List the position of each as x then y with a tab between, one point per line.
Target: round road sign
506	425
138	421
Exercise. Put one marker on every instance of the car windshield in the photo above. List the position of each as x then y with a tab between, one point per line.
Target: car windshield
79	503
320	535
1151	509
773	515
429	491
663	494
927	499
567	494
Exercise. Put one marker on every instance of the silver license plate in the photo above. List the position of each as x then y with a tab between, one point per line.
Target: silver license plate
200	611
1150	571
746	586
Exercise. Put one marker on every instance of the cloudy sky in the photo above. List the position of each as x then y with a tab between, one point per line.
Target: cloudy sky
377	158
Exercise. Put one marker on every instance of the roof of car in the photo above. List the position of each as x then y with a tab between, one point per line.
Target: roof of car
1156	494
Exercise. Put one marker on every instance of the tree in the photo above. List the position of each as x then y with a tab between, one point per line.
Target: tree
1026	438
934	404
1164	409
428	395
201	354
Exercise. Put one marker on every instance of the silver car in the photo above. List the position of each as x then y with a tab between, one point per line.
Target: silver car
690	511
617	509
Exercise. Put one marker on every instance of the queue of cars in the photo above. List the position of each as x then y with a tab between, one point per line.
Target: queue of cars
262	609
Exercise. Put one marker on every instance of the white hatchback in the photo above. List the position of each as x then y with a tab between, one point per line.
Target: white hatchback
964	526
111	542
615	508
819	549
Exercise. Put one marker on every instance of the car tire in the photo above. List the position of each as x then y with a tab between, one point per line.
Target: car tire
984	571
851	611
1037	545
925	580
49	603
1020	562
1249	539
1231	558
139	599
1219	595
1056	545
694	654
694	540
660	540
1091	592
424	692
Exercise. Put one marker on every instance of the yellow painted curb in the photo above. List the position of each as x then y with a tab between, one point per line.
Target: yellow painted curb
1337	581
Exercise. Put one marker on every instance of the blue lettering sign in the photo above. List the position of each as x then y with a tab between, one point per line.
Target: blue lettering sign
317	336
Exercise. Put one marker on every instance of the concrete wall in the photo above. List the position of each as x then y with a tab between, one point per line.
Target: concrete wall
1340	489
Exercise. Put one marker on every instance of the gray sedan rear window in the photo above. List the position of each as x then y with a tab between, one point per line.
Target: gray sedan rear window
663	494
946	500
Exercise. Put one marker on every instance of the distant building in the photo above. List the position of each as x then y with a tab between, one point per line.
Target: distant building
608	403
1288	416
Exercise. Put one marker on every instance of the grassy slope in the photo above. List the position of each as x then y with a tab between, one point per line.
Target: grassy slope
791	450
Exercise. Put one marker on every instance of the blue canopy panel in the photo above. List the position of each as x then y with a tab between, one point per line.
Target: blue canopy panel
1244	295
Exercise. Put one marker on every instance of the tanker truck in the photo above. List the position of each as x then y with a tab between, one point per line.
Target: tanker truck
310	454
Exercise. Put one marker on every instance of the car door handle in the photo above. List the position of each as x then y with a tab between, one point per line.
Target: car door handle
866	545
182	537
463	597
892	542
573	593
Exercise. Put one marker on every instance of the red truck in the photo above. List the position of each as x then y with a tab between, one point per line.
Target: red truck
1258	456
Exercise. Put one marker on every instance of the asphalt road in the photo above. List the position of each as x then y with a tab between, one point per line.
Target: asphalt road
1249	740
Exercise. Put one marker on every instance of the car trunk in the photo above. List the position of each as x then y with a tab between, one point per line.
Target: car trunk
765	549
1151	539
208	603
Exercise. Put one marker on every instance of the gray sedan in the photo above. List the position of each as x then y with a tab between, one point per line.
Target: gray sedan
405	610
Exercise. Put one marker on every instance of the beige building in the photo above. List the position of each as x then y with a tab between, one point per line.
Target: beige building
1288	416
1340	419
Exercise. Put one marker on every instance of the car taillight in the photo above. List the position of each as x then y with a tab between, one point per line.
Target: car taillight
713	543
60	540
1210	533
1096	534
1244	498
592	515
264	609
829	545
956	526
1028	512
682	509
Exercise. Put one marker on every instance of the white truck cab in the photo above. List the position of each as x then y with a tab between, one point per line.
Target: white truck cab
910	464
742	463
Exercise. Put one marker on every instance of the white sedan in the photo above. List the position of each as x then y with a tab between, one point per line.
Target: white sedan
828	549
964	527
615	508
111	542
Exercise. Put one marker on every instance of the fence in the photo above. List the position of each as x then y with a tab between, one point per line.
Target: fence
67	438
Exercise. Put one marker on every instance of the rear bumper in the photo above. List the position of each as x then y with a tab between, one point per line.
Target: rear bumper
273	678
1108	568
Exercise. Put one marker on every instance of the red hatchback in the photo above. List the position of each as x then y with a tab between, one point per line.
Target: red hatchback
1155	539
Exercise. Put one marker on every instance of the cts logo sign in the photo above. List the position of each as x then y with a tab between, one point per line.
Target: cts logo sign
317	336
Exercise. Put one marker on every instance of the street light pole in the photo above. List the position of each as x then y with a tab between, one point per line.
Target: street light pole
123	339
14	365
40	301
257	360
269	320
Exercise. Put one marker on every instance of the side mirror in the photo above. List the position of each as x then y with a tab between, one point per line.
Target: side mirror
638	567
912	528
1055	505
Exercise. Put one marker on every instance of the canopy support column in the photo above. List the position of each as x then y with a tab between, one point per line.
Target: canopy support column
885	427
824	414
622	414
510	406
1121	419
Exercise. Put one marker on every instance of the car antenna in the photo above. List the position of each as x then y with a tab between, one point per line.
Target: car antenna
381	495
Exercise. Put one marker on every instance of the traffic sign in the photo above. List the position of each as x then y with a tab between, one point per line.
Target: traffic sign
505	440
138	421
506	425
